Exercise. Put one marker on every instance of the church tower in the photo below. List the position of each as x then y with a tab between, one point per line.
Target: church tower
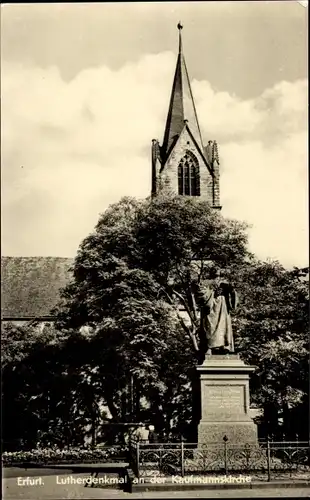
182	164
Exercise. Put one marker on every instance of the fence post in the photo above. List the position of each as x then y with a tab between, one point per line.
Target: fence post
182	458
225	439
268	459
138	459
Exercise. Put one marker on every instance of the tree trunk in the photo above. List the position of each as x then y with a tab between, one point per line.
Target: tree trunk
111	405
271	420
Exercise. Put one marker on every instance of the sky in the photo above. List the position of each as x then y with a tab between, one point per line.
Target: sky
86	87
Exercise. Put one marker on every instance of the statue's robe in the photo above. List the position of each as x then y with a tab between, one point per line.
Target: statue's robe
216	300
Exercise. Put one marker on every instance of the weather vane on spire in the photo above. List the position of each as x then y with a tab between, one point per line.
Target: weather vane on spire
180	27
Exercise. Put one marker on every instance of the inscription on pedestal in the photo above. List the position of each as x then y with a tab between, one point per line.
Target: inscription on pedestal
220	398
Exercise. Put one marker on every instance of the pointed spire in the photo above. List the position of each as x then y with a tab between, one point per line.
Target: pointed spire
182	107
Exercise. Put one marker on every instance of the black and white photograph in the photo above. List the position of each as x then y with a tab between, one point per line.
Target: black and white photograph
155	250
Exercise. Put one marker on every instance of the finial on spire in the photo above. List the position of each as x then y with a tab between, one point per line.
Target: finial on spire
180	27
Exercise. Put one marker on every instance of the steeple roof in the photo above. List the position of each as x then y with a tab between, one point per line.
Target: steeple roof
182	106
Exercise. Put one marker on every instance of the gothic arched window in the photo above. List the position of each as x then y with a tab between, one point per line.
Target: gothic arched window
188	175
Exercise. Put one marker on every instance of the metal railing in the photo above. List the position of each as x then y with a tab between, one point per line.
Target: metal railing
265	460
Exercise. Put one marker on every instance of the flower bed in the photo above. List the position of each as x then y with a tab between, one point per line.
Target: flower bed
70	456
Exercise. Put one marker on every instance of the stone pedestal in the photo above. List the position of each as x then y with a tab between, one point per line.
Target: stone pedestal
225	401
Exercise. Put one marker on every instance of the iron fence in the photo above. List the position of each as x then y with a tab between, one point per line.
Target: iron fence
265	460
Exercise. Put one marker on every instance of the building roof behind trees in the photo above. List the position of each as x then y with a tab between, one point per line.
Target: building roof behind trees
30	286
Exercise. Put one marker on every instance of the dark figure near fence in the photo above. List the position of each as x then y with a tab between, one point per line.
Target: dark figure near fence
153	438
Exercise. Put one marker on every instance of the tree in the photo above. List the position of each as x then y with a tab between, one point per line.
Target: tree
23	368
165	244
131	279
47	398
271	330
128	322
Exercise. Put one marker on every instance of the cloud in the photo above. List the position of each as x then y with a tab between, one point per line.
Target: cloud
69	149
263	148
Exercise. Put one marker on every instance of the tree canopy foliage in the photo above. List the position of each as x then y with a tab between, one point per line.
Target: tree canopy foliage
272	332
126	329
155	250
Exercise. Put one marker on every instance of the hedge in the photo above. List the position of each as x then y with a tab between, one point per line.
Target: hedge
57	456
